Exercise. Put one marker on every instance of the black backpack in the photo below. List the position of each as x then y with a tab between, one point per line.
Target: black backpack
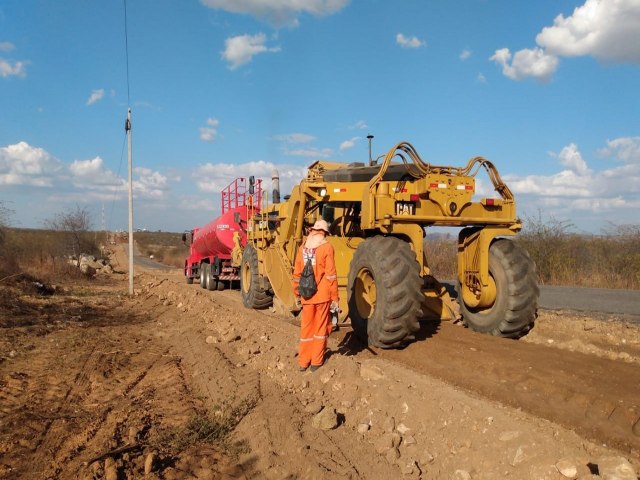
307	286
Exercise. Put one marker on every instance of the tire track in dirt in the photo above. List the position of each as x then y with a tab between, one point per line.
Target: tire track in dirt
58	419
218	368
449	355
54	440
598	397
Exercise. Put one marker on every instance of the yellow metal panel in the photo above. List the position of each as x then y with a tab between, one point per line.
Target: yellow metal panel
280	278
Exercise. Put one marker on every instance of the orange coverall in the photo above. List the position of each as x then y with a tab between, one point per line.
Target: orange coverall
315	324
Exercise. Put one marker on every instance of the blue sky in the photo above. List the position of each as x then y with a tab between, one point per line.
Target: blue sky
547	90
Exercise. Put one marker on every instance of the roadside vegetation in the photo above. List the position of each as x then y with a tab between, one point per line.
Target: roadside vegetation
166	247
213	428
609	260
44	254
562	257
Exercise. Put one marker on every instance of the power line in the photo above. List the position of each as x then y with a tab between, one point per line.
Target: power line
116	192
126	48
128	131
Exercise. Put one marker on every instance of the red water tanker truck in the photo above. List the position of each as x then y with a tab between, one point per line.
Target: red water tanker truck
211	253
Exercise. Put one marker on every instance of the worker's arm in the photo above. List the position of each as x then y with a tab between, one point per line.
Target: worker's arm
331	274
297	272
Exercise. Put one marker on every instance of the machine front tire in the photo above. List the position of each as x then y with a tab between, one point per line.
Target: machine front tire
384	294
513	312
252	295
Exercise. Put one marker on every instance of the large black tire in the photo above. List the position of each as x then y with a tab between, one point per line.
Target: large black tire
384	293
252	295
188	278
211	282
203	275
513	312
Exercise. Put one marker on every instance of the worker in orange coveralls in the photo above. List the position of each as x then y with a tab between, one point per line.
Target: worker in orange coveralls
315	325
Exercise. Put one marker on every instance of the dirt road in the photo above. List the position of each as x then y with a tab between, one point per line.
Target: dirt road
186	383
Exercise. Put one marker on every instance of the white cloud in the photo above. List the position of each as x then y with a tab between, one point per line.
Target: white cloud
96	96
22	164
527	62
625	149
210	132
295	138
84	168
6	46
347	144
481	78
409	42
240	50
87	180
17	69
578	188
604	29
91	174
465	54
360	125
311	152
213	177
571	158
150	183
207	134
278	12
607	30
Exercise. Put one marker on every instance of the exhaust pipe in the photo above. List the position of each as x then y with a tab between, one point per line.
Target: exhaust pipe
275	185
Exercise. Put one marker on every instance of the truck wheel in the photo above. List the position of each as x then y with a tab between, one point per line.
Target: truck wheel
384	293
203	275
220	285
188	277
252	295
514	310
211	282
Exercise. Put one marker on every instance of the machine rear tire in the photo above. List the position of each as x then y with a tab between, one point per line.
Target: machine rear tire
189	280
384	294
252	295
514	310
220	285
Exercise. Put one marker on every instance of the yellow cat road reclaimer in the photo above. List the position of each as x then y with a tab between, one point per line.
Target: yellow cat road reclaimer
378	214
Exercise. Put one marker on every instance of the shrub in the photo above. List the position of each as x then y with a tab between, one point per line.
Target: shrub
610	260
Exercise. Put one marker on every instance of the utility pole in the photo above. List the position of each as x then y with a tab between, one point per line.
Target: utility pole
128	130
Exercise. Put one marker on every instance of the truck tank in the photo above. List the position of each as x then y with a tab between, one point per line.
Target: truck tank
216	237
210	256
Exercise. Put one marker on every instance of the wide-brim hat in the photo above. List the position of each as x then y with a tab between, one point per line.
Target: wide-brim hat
321	225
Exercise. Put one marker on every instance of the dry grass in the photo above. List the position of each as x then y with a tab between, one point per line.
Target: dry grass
441	253
209	428
562	258
166	247
42	253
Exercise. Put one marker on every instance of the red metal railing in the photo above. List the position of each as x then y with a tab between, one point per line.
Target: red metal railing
236	193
